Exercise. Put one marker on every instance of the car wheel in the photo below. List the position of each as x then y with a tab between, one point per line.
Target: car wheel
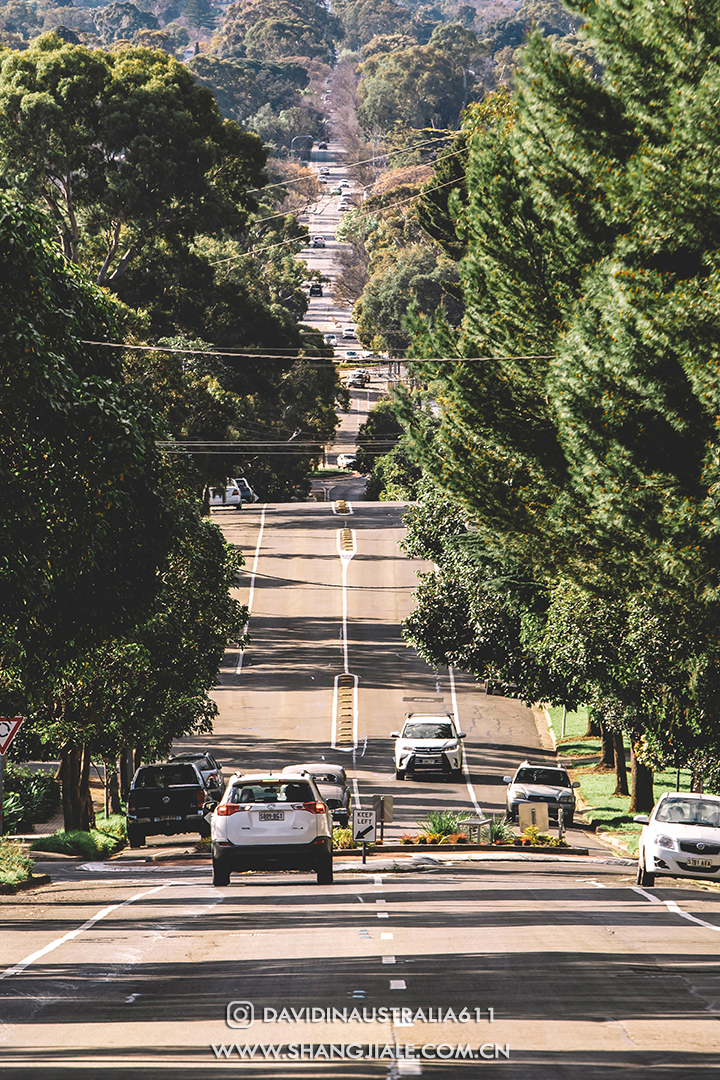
568	820
136	836
644	877
325	871
221	874
399	774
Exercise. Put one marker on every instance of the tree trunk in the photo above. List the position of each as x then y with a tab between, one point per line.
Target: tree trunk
593	728
621	780
607	752
642	799
87	810
696	781
70	781
112	788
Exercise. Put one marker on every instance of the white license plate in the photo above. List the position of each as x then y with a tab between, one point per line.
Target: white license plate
167	817
431	760
699	862
274	815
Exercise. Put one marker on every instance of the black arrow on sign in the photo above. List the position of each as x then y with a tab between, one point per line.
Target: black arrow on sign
359	836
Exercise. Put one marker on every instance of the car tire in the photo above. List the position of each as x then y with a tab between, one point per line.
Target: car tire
644	877
220	873
325	871
568	820
136	836
399	774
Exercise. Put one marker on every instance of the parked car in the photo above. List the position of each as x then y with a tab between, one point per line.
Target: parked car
349	332
166	799
362	373
315	289
680	838
332	783
540	783
353	354
346	461
271	822
229	496
318	242
428	742
207	766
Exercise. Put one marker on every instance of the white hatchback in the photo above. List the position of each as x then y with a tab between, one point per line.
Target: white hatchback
681	838
271	822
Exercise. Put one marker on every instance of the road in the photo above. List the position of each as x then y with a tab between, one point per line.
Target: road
128	968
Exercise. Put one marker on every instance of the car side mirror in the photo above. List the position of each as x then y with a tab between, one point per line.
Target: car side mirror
642	819
507	779
394	734
209	807
462	735
575	784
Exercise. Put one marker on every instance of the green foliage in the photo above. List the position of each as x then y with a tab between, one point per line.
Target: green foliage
377	435
498	831
343	839
420	87
443	822
37	793
15	865
88	845
13	813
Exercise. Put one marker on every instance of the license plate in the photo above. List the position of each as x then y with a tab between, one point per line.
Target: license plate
167	817
699	862
431	760
274	815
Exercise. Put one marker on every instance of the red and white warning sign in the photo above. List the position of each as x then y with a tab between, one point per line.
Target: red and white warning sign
8	730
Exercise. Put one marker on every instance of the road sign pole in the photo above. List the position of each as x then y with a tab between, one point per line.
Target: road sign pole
2	819
364	857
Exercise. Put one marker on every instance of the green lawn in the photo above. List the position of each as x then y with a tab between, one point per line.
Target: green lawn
596	789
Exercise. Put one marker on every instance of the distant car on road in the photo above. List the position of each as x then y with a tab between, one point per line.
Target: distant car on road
332	783
346	461
353	354
336	191
315	289
540	783
331	339
428	743
349	332
229	496
680	838
324	171
356	382
344	184
322	145
246	492
318	242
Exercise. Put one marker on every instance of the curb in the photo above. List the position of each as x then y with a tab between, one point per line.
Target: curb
440	849
7	889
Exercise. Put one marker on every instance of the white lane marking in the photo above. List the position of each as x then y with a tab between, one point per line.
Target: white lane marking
17	969
592	881
456	717
356	794
398	984
676	910
361	899
389	960
352	748
345	557
381	901
648	895
253	575
386	937
383	915
378	879
133	997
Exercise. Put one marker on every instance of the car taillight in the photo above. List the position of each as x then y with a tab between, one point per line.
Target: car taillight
313	807
225	809
200	797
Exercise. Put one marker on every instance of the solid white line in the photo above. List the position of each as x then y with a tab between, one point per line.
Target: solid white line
17	969
356	794
675	910
251	595
389	960
466	771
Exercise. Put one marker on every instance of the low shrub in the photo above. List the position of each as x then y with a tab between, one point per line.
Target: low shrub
532	837
15	864
38	794
443	822
88	845
343	839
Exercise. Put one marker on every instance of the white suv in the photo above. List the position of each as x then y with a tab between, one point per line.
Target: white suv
272	822
428	743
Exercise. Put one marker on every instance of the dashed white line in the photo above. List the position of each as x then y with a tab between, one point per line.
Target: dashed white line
251	595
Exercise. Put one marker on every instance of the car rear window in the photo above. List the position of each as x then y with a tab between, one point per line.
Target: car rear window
258	792
550	777
164	776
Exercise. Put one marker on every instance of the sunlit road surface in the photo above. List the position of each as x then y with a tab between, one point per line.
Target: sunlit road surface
538	967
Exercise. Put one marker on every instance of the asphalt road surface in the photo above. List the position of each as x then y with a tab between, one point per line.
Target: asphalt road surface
515	968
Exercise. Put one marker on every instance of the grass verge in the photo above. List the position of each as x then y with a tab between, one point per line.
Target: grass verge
15	864
609	812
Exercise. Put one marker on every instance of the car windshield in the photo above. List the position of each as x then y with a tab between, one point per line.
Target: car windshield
293	791
428	731
690	812
550	777
164	776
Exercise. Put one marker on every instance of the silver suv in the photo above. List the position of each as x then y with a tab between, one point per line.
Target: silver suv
271	822
429	743
535	782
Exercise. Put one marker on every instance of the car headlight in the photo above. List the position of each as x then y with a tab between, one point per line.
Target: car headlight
452	749
566	798
665	841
